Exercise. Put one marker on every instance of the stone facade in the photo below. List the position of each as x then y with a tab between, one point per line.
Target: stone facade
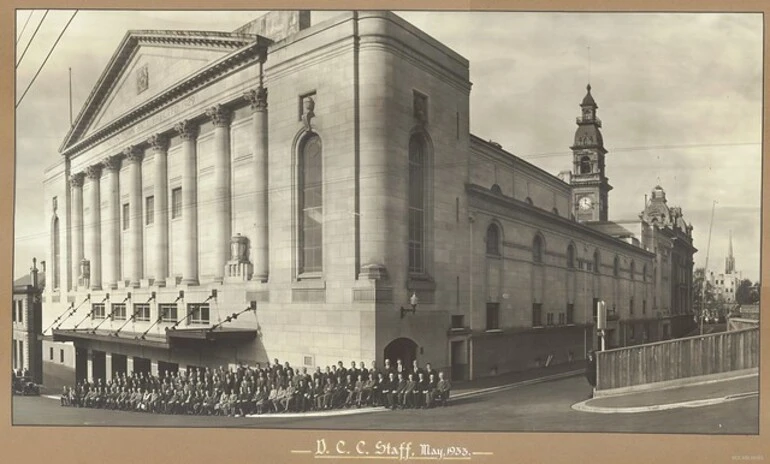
183	224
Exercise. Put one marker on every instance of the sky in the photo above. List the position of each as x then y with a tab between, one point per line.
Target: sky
679	95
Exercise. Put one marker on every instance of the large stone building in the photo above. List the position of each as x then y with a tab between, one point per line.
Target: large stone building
26	309
288	191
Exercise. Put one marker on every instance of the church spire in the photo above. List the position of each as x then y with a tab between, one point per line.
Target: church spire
730	261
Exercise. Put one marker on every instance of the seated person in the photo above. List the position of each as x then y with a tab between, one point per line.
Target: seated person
65	396
408	398
442	389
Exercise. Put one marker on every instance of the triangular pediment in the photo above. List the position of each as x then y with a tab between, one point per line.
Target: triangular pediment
145	65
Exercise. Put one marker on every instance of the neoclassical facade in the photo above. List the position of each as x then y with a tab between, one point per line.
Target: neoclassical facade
285	192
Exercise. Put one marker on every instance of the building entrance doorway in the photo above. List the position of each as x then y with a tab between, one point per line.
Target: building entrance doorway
141	365
404	349
99	365
119	364
458	361
81	364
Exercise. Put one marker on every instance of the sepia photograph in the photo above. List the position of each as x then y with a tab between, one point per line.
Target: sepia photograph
434	221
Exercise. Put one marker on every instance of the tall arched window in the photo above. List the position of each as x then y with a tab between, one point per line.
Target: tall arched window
585	165
416	204
616	266
311	205
493	240
56	254
571	256
537	249
597	261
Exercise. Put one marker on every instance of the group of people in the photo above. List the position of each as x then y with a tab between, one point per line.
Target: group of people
258	390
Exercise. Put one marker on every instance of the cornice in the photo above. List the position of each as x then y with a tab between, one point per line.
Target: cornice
251	50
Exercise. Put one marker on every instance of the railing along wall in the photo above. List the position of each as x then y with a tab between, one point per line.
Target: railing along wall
677	359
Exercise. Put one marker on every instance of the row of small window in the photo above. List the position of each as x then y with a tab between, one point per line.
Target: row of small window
538	251
149	209
61	355
197	313
18	311
551	318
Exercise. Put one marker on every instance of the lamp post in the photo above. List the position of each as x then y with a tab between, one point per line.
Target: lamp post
413	303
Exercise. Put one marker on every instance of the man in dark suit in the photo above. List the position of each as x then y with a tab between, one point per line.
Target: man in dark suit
442	389
408	395
389	387
400	389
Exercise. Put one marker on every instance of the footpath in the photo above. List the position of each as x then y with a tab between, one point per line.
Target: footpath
696	395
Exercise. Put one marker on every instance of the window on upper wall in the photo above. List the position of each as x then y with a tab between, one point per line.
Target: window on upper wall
56	252
21	311
631	306
644	273
118	311
168	312
493	316
142	312
537	315
585	165
632	270
616	267
416	204
597	261
311	205
537	249
149	210
199	313
97	311
126	217
570	313
493	240
50	354
571	256
176	203
61	356
458	321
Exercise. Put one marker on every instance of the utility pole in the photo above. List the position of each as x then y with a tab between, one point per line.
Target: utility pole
705	271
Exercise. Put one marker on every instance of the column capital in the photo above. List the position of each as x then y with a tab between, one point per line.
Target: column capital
94	172
111	163
186	130
76	180
158	142
219	115
257	98
133	153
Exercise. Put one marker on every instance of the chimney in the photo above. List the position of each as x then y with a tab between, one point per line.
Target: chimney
33	272
42	267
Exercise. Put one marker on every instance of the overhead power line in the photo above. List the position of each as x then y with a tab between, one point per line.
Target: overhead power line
25	26
32	38
46	58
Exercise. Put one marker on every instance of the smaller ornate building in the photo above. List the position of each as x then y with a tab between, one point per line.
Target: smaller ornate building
26	310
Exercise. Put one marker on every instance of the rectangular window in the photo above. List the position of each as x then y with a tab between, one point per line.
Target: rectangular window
549	319
493	316
570	313
126	217
13	313
149	210
631	332
176	203
142	312
311	213
97	311
537	314
21	354
308	361
61	356
50	353
168	312
458	321
562	318
119	312
631	306
644	306
199	313
21	311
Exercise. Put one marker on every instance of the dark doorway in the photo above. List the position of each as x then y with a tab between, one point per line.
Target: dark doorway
98	365
164	367
404	349
81	364
141	365
458	362
119	364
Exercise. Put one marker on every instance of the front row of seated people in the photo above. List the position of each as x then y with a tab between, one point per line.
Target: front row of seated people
253	392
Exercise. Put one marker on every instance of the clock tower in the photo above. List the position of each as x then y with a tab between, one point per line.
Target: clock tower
590	187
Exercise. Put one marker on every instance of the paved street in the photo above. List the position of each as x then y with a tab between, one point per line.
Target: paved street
543	407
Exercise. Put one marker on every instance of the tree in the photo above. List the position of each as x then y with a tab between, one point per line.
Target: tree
743	294
701	293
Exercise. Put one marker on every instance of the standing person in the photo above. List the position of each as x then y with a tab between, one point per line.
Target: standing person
318	394
443	387
430	391
415	369
421	390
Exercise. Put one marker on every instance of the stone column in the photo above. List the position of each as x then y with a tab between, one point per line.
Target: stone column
94	174
154	367
221	219
134	254
76	185
111	229
107	367
260	248
188	132
129	365
90	365
159	143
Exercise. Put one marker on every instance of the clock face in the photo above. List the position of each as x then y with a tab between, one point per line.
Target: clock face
586	203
